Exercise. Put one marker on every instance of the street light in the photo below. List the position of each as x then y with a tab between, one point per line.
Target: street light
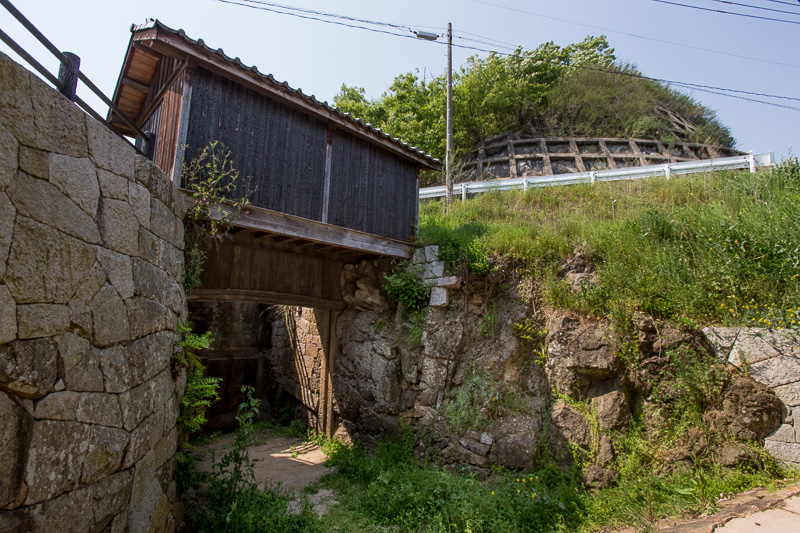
448	172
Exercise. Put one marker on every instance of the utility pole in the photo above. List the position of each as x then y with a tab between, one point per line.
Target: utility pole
448	162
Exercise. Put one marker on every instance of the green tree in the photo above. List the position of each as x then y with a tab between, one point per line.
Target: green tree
556	90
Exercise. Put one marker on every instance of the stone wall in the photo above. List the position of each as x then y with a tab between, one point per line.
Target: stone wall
91	265
295	361
772	358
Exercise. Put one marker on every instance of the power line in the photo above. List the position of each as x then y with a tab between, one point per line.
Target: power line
795	13
638	36
266	6
726	12
704	88
487	38
782	2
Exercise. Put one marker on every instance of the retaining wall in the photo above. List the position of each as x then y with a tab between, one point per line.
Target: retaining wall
91	262
771	357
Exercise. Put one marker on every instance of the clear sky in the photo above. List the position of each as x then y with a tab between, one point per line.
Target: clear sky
319	57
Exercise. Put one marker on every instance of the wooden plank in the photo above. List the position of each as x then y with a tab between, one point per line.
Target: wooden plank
259	296
183	127
274	222
160	95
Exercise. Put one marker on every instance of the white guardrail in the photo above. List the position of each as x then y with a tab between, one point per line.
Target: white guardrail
751	161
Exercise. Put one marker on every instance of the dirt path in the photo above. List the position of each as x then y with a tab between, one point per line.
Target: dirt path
286	461
291	462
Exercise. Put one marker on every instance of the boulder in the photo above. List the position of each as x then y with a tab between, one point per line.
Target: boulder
516	442
749	411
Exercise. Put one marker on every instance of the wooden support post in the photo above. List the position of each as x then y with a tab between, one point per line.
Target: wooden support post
333	349
68	75
324	389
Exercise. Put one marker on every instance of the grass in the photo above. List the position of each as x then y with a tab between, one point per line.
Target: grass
388	490
710	248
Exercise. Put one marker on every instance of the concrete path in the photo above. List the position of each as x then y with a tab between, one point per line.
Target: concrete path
783	518
757	510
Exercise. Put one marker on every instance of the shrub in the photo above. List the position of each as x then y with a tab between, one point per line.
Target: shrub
404	285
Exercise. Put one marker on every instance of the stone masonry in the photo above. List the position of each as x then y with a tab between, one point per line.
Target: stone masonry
772	358
91	262
431	271
296	355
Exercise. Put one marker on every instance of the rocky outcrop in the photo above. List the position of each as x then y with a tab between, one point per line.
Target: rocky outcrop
491	381
88	321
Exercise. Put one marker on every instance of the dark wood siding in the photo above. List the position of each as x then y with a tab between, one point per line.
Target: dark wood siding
371	190
282	149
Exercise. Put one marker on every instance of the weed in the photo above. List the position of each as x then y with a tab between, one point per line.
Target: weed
201	390
229	499
218	198
405	286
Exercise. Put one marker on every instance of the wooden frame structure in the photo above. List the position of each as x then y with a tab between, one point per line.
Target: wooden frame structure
330	189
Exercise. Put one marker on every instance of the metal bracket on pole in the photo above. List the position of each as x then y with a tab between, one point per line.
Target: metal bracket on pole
68	75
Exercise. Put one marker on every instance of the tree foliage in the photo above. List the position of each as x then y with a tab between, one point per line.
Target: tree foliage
555	90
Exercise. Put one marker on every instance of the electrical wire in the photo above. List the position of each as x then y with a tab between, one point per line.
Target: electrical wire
266	6
782	2
795	13
638	36
726	12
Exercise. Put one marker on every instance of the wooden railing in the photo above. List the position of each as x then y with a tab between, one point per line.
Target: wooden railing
68	75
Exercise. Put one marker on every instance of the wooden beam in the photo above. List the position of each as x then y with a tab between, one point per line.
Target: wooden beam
136	85
326	190
144	117
265	297
333	348
323	414
270	221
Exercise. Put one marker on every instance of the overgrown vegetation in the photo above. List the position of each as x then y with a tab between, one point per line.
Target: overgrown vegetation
228	498
218	196
405	286
201	390
579	89
717	248
389	490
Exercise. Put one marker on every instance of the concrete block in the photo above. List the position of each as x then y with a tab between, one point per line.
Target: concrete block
438	297
431	253
449	282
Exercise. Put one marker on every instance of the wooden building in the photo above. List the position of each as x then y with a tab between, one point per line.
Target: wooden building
330	190
306	158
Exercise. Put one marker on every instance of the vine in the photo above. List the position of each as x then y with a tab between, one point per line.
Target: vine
218	199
